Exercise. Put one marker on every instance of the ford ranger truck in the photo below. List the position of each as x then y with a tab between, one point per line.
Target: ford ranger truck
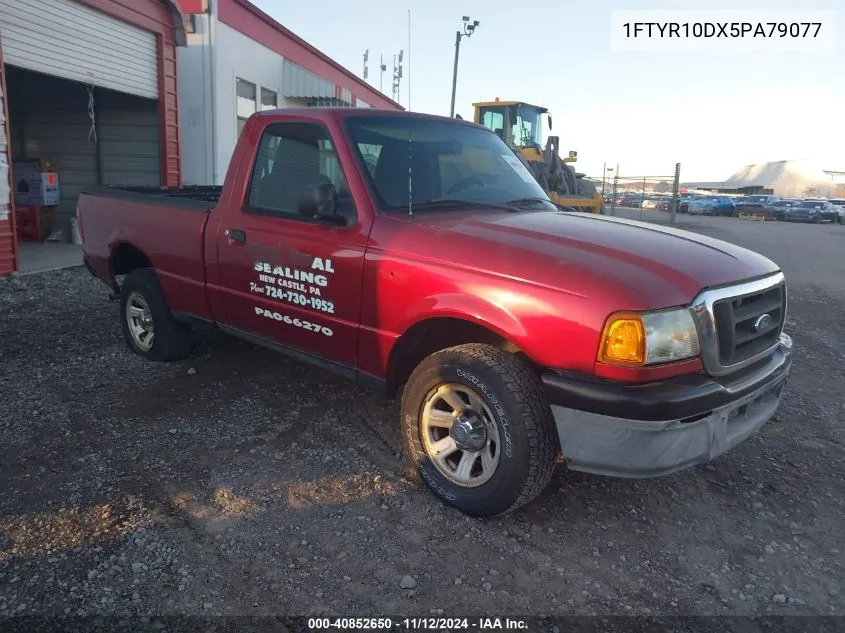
418	255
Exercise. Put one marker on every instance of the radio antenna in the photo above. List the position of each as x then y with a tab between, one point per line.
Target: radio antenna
410	175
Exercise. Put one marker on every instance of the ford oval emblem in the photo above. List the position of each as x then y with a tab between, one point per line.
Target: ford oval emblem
763	321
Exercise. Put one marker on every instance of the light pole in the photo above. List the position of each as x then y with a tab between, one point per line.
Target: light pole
604	172
469	29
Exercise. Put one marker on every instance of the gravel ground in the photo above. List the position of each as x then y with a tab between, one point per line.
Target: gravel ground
240	482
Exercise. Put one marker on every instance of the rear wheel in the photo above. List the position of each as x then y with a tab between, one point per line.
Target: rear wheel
478	430
149	328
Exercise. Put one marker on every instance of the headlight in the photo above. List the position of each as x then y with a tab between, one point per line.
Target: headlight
648	338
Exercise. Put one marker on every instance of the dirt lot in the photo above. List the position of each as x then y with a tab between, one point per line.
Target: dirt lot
240	482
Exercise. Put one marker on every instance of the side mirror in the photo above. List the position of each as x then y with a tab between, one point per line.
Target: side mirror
319	202
550	122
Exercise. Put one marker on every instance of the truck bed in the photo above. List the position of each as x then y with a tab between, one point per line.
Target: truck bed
163	225
196	198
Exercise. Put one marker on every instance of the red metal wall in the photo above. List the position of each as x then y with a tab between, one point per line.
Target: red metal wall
8	241
159	17
248	19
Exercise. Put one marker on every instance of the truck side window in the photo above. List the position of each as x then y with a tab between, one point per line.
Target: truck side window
292	157
370	154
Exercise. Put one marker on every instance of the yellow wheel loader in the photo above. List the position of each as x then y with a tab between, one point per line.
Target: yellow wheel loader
520	126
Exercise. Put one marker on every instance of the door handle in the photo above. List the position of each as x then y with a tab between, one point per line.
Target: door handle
236	236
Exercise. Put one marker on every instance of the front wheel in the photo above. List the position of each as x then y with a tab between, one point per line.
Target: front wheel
478	430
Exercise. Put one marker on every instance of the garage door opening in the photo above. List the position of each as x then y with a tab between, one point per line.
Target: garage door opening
88	135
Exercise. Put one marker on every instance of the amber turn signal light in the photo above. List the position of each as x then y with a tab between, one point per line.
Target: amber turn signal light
623	340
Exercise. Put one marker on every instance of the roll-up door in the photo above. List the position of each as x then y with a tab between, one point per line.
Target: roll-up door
50	121
129	137
73	41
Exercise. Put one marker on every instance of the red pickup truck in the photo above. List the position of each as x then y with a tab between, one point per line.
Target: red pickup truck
417	254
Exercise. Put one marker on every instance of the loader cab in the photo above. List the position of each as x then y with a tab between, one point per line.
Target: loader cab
518	124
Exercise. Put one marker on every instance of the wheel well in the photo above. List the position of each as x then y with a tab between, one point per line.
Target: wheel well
427	337
127	258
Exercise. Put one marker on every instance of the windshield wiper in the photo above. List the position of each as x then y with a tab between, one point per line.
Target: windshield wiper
523	201
446	202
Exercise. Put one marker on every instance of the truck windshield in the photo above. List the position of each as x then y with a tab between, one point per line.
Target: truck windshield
425	161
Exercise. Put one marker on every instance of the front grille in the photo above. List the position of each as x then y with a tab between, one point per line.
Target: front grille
736	317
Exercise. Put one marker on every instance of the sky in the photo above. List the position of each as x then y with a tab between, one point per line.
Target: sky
711	111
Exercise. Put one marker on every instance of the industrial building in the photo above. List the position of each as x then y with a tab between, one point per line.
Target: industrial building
138	92
239	60
90	95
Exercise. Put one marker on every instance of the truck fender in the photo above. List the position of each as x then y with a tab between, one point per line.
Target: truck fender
471	308
121	236
492	322
123	239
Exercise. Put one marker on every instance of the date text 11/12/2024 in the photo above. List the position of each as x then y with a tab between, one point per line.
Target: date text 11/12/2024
419	624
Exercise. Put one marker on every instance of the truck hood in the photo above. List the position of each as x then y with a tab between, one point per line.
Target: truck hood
660	265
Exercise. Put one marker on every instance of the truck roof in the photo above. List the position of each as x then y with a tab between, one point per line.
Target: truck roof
340	113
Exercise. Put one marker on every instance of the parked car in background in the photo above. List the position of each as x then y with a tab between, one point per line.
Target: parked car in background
660	203
634	200
712	205
839	203
683	205
812	211
754	204
684	200
777	210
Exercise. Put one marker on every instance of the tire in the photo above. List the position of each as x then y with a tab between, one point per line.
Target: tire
585	188
170	339
515	412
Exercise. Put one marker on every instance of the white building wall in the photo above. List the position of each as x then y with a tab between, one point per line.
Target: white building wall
240	57
216	55
195	98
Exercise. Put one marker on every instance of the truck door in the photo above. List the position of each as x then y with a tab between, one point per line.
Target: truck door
286	278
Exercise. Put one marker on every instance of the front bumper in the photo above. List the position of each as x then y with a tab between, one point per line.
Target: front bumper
802	217
659	428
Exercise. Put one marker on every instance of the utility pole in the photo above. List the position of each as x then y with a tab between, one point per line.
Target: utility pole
366	70
603	173
642	201
676	185
382	68
469	29
615	185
